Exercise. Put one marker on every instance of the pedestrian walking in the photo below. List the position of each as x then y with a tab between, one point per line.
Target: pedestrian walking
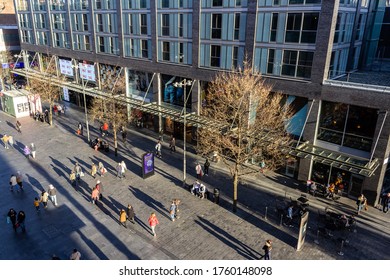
158	149
102	169
99	187
124	168
119	170
5	140
52	192
289	216
206	167
26	151
76	255
161	137
12	183
46	117
94	195
124	134
267	250
33	150
20	221
385	202
199	171
78	171
11	141
72	177
19	180
262	166
172	210
123	218
18	126
130	213
44	198
11	218
361	203
153	221
36	204
93	170
80	129
172	144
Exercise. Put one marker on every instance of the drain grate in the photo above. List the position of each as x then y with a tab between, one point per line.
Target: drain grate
51	231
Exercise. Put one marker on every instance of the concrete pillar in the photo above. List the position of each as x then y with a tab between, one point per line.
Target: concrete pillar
372	186
324	40
309	134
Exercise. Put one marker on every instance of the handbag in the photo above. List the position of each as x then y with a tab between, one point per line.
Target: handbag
8	220
81	174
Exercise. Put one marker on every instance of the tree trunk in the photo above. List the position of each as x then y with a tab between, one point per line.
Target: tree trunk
235	187
115	142
50	115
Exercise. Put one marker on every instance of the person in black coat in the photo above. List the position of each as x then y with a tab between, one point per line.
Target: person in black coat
130	213
20	220
12	217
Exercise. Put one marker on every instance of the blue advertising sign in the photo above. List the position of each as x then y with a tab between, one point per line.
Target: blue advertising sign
147	165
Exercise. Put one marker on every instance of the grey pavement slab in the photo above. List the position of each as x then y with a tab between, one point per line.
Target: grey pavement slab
204	230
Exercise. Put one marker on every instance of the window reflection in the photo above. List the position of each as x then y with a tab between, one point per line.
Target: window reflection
347	125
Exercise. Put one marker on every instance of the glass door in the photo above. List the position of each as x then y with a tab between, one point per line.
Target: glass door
355	186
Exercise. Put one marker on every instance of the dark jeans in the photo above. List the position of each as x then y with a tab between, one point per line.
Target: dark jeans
206	170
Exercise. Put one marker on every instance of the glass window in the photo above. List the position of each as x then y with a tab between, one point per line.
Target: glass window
181	52
270	63
101	44
165	24
292	2
289	62
217	3
144	47
274	27
99	21
215	60
85	22
181	25
235	57
309	29
236	26
216	27
238	3
332	121
142	4
305	62
144	24
276	2
293	28
98	4
164	3
166	51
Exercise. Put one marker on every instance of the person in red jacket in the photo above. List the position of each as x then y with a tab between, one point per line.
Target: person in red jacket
153	222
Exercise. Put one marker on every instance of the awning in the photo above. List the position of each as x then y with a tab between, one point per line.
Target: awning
343	161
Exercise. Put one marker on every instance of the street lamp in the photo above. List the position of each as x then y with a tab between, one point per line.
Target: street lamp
85	102
184	84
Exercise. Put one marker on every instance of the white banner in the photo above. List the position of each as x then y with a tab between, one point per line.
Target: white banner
87	71
66	67
66	94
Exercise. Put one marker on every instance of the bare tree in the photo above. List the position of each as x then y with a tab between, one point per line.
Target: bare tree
253	121
6	58
109	109
47	87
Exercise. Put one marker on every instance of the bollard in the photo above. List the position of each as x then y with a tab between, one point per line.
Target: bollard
266	210
341	248
316	241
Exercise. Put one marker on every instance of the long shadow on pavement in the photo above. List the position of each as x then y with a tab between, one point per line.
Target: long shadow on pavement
241	248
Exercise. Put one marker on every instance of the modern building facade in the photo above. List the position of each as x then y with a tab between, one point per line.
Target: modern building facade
308	49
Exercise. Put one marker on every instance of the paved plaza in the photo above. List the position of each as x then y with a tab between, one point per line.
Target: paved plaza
205	230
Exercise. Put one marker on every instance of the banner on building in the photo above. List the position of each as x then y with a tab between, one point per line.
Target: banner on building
87	71
66	94
66	67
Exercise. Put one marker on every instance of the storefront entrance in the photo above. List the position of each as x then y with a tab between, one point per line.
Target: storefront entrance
356	186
